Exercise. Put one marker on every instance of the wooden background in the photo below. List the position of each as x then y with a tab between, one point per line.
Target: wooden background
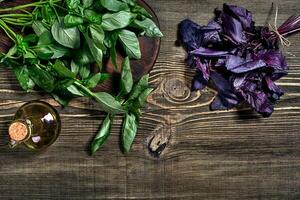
182	150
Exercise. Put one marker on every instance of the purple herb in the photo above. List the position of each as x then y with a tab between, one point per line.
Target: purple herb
240	60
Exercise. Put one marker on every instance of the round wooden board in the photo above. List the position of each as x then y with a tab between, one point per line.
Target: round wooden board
149	49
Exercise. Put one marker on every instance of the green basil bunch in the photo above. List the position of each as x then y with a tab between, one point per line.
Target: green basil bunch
61	40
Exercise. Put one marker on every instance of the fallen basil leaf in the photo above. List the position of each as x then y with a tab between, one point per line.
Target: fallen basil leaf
129	131
102	135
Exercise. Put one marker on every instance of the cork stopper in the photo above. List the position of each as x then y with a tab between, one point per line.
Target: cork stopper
18	131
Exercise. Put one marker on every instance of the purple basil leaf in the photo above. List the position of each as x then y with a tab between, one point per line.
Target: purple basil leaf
211	33
240	13
206	52
238	65
259	101
199	83
189	34
201	79
226	98
275	91
274	59
203	68
233	29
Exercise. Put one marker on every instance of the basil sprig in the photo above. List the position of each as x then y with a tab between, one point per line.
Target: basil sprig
61	40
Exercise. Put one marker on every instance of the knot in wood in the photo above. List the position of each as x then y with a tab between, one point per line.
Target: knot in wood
176	90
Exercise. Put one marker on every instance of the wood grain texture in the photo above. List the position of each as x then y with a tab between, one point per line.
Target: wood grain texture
182	150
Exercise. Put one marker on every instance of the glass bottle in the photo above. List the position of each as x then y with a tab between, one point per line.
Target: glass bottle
36	125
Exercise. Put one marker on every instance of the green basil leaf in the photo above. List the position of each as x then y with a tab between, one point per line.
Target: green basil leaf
62	70
87	3
41	78
61	94
73	4
126	82
130	44
29	55
93	16
111	42
47	48
140	10
72	20
108	103
129	131
45	38
73	89
51	51
98	35
117	20
102	135
142	99
114	5
48	14
130	2
84	71
38	28
148	26
12	51
31	38
68	37
138	88
95	50
96	79
74	67
22	75
84	56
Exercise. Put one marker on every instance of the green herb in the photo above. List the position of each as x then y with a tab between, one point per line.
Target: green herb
129	130
61	40
102	135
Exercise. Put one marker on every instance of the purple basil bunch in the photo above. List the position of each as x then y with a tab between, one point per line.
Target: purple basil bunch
240	60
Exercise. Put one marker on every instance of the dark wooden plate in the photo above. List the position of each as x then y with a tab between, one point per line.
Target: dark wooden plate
149	49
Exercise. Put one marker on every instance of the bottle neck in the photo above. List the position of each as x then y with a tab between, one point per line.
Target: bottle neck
19	132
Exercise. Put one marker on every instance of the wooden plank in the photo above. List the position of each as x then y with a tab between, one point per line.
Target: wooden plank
194	153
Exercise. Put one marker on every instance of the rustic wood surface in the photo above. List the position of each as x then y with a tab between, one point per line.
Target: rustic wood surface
182	150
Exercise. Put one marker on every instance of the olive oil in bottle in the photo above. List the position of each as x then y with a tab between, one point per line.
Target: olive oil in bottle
36	125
